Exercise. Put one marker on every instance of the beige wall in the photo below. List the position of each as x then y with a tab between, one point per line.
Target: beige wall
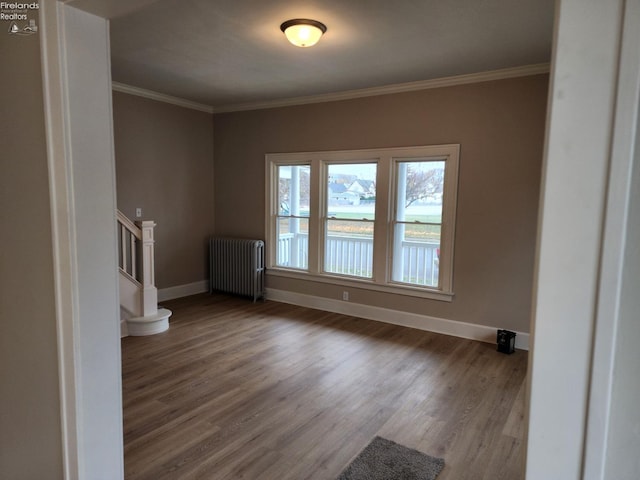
500	127
164	164
30	432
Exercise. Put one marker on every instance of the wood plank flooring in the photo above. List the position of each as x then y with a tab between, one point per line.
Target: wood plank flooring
236	390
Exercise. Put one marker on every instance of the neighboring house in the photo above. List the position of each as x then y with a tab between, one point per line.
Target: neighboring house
337	189
363	187
339	193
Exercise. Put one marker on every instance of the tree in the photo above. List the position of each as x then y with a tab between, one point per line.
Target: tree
423	184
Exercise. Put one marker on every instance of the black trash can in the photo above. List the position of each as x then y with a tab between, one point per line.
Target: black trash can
506	341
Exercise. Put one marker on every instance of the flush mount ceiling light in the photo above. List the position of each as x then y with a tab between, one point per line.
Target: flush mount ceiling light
303	32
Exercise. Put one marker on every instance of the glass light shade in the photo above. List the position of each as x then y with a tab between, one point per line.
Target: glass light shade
303	32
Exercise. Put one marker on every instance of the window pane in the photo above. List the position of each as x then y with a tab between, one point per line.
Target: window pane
293	243
349	248
416	256
420	187
293	190
351	191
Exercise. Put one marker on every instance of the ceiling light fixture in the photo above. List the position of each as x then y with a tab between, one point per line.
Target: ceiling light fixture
303	32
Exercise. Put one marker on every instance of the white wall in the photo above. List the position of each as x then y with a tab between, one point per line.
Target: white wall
583	300
622	455
90	124
29	405
613	422
82	178
623	461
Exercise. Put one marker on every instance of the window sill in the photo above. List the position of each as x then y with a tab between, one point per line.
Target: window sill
363	284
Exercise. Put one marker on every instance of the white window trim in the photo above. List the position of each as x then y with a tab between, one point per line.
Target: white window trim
386	159
323	213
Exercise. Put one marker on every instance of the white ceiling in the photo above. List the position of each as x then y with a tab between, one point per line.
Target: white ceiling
228	52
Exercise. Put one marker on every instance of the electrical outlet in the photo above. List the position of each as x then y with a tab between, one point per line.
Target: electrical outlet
345	296
138	212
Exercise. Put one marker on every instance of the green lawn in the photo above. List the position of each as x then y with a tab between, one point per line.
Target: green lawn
413	231
409	218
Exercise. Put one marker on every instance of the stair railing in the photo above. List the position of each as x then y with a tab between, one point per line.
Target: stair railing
136	259
129	238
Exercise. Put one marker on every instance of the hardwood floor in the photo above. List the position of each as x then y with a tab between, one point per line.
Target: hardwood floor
236	390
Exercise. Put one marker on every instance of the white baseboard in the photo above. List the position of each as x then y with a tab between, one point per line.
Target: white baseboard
124	330
180	291
471	331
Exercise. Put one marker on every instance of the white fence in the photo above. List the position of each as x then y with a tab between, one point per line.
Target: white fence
349	256
352	255
419	263
293	250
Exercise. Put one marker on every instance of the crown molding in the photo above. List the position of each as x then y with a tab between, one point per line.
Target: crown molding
492	75
160	97
390	89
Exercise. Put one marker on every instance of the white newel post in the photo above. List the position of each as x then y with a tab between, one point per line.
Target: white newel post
149	290
138	294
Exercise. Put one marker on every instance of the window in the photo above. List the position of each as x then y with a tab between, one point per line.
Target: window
417	226
349	223
378	219
292	217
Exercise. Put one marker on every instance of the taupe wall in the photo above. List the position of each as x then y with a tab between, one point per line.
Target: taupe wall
500	127
164	164
30	432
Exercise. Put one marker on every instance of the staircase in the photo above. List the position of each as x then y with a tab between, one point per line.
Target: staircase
139	312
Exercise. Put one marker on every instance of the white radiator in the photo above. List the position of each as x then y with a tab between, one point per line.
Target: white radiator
237	266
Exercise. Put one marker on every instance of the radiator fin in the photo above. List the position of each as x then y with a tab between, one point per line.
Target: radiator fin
236	265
